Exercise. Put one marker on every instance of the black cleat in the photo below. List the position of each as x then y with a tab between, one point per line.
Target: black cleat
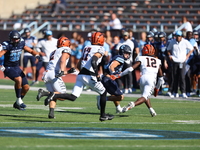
20	107
40	94
49	98
106	117
50	116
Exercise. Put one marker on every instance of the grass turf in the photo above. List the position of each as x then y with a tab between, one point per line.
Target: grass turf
173	115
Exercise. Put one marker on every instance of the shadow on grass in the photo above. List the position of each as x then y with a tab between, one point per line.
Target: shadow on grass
18	116
90	113
75	112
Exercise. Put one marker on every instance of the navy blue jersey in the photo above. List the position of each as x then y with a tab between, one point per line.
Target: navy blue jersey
118	69
12	56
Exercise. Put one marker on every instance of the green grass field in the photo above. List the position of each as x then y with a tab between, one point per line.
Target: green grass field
77	125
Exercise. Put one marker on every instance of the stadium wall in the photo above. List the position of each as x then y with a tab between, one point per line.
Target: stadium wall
17	6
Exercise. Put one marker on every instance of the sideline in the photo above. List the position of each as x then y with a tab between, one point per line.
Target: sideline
126	95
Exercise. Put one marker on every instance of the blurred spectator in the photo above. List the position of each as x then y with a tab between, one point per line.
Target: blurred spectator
196	37
177	51
74	53
78	52
108	38
190	75
105	58
115	23
30	41
87	42
57	6
142	41
116	41
150	37
39	63
45	47
134	55
195	68
17	25
187	26
162	55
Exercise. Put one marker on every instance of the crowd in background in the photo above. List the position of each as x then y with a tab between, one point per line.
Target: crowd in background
128	83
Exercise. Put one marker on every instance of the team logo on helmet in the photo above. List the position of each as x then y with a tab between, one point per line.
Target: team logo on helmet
97	39
63	42
14	35
149	50
125	49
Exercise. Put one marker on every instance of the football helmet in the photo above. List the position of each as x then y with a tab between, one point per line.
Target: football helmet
14	37
195	32
148	50
150	34
125	49
27	30
97	39
162	34
63	42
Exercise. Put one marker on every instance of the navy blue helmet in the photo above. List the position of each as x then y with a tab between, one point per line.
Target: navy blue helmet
125	49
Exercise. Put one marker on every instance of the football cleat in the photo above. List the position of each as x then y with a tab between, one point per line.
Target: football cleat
98	102
51	116
128	107
49	98
152	112
20	107
106	117
118	110
40	94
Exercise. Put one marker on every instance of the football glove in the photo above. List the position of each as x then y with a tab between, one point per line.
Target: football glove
98	78
2	68
116	76
156	91
71	70
59	74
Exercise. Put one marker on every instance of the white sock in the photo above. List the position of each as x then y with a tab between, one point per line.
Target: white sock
119	107
151	109
19	101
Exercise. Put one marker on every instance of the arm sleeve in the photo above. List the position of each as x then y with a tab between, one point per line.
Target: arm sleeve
126	71
94	64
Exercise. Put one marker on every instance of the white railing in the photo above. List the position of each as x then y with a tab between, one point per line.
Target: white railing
87	26
34	24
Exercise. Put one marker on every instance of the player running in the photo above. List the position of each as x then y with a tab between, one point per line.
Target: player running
150	67
56	68
88	75
12	50
115	67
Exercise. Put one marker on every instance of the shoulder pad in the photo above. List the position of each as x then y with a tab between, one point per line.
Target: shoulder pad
101	50
5	43
66	50
119	59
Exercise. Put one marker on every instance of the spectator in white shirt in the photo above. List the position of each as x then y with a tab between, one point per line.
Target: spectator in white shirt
115	23
177	51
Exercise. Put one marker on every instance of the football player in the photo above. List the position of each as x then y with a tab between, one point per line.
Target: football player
31	41
56	68
115	67
12	50
88	75
150	67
